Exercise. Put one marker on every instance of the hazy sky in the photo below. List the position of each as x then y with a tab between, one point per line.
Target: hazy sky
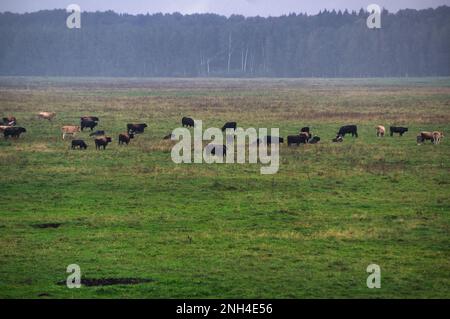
225	7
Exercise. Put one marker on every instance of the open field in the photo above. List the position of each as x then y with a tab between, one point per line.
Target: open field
309	231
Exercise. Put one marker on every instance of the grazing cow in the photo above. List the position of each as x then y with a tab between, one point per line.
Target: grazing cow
14	131
70	130
89	118
298	139
348	129
136	128
102	142
381	130
437	137
46	115
426	136
97	133
88	124
188	122
9	121
314	140
338	139
80	144
399	130
125	138
232	125
217	149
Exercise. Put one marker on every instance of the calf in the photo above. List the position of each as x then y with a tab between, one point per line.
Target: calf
298	139
80	144
399	130
88	124
46	115
97	133
381	130
13	132
188	122
70	130
348	129
232	125
125	138
136	128
102	142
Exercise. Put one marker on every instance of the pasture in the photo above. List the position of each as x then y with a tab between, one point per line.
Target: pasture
225	230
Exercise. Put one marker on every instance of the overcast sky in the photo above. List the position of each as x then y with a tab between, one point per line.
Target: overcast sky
225	7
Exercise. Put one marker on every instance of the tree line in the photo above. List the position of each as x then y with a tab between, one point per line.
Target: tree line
328	44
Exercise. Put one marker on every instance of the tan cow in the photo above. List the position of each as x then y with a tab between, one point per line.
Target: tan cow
70	130
381	130
46	115
437	137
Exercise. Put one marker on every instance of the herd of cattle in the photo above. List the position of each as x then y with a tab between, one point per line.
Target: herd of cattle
305	136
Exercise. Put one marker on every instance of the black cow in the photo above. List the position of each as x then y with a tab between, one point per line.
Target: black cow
232	125
271	139
102	141
399	130
125	138
348	129
314	140
80	144
97	133
89	118
297	139
219	149
13	131
88	124
136	128
187	121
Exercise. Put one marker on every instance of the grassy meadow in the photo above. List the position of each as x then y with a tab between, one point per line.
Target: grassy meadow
225	230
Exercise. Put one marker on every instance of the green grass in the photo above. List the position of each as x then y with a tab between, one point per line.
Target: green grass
309	231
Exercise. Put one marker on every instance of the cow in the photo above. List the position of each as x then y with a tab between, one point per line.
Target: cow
102	142
136	128
338	139
348	129
217	150
125	138
70	130
232	125
97	133
298	139
80	144
425	136
381	130
46	115
188	122
89	118
9	121
88	124
13	132
314	140
437	137
399	130
271	139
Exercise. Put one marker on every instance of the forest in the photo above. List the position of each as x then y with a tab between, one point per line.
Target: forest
410	43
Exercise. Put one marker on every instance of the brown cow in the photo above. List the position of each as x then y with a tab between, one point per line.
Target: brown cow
46	115
102	141
437	137
125	138
425	136
70	130
381	130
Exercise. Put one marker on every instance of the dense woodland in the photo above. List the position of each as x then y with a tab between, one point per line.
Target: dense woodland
329	44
